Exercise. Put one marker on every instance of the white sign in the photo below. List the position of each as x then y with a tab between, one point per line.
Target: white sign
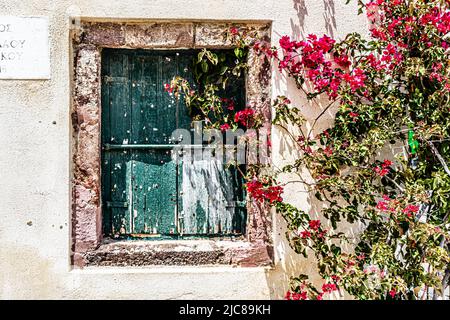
24	50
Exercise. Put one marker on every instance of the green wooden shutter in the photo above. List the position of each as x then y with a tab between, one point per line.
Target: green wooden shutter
145	189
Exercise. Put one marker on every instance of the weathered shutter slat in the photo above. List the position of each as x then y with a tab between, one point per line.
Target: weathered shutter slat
116	123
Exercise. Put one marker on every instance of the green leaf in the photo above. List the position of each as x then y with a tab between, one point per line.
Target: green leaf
238	52
204	66
223	69
201	54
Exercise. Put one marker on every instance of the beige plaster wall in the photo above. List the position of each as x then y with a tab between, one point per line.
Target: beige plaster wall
35	160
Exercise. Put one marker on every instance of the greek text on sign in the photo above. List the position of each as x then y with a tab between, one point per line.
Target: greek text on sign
24	50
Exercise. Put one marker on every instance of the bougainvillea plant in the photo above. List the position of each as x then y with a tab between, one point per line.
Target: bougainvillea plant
382	166
207	95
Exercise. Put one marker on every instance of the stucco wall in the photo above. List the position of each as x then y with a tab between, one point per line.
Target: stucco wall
35	161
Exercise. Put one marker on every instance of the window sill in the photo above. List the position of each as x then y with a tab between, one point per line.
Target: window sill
178	253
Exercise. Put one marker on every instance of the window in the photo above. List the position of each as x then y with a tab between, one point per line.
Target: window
151	189
116	64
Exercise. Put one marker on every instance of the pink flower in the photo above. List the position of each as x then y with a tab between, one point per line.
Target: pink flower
307	150
234	30
381	205
322	234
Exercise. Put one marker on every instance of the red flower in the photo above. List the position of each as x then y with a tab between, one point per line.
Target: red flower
229	103
410	209
273	194
254	187
386	164
288	295
322	234
225	127
381	172
392	293
305	234
353	114
261	193
355	79
350	263
314	224
342	61
286	43
168	87
328	151
379	34
374	62
329	287
319	296
244	117
234	30
325	43
381	205
335	278
299	296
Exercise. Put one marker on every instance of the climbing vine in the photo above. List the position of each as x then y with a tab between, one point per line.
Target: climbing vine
381	166
207	95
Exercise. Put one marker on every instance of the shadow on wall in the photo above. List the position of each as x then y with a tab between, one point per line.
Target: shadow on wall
302	11
298	26
329	17
288	263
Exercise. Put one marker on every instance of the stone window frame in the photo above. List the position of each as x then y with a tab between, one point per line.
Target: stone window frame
88	246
